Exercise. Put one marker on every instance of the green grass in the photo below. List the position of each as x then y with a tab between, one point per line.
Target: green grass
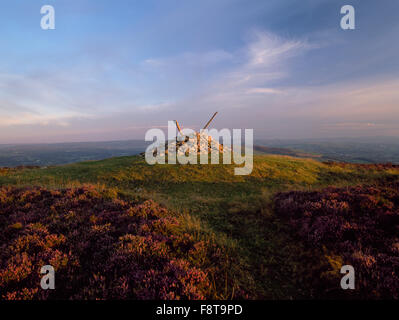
236	211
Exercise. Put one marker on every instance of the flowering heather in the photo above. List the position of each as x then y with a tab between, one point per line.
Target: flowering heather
356	226
100	248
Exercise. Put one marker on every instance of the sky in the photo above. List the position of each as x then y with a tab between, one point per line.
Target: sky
111	70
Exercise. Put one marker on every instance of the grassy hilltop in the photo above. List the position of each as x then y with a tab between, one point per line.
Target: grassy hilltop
262	256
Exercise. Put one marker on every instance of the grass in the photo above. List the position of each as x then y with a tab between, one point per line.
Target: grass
211	202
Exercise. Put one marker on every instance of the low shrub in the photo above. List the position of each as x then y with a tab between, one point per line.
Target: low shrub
358	226
100	248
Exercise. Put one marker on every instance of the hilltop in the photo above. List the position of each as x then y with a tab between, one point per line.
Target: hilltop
262	257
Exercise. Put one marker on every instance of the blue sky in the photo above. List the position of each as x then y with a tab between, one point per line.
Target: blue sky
113	69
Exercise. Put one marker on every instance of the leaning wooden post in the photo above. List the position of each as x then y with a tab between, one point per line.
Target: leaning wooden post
207	124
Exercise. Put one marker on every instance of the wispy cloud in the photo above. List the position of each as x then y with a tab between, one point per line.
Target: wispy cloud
264	91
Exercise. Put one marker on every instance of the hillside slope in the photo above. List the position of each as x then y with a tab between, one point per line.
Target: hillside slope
264	259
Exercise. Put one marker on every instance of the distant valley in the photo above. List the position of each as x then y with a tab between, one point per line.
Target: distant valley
64	153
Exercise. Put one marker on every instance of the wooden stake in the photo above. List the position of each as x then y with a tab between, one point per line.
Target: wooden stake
206	126
178	127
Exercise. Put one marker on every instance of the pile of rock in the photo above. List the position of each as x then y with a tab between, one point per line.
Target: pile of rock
195	143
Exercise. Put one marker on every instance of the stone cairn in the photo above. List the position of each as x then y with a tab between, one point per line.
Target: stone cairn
196	142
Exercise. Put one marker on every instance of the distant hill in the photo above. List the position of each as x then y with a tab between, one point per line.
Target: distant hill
63	153
284	151
355	150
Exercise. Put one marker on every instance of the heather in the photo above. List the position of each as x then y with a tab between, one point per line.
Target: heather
357	226
101	248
